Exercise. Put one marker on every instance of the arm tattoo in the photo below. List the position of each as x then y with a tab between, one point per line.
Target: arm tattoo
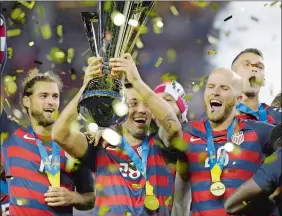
167	124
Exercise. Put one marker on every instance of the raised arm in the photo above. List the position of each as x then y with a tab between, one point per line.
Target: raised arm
161	110
74	142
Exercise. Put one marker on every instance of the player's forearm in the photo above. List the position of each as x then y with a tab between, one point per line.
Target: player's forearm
62	127
161	110
84	201
238	201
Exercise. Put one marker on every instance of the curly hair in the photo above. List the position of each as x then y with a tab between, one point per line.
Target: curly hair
35	76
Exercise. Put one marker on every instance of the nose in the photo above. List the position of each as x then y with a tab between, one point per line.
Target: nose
142	108
254	68
51	100
216	91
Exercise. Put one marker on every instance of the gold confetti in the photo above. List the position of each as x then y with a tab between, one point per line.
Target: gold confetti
179	143
139	44
31	43
57	55
168	201
7	102
174	10
188	97
214	6
196	88
159	61
99	187
46	31
182	168
70	55
143	29
87	3
171	55
41	11
138	186
107	5
273	3
60	30
157	25
19	71
168	77
13	32
10	52
16	13
8	79
202	158
29	5
112	168
270	159
199	41
4	136
200	4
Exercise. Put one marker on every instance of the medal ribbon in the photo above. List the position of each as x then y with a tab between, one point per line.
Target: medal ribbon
216	165
140	164
52	167
261	114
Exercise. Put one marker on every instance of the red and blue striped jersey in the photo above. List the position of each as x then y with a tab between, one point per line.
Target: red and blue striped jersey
27	180
240	164
120	187
273	115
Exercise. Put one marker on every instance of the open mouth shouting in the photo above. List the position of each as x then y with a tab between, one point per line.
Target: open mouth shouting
215	105
252	81
140	121
49	111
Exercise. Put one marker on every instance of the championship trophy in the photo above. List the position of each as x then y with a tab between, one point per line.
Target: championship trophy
110	38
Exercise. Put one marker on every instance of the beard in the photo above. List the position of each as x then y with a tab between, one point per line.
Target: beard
41	119
227	111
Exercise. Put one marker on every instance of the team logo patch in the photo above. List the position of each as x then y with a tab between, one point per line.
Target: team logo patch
238	138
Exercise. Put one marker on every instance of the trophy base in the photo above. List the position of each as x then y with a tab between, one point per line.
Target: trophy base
96	102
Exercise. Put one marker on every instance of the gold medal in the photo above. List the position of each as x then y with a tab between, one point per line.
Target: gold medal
151	202
217	189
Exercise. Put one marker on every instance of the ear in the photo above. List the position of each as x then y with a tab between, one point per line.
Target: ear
239	99
26	102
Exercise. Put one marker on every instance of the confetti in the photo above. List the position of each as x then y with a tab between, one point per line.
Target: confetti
46	31
107	5
200	4
19	71
168	77
16	13
171	55
182	168
99	187
70	55
41	11
228	18
159	61
31	43
179	143
57	55
60	30
273	3
13	32
29	5
87	3
139	44
143	29
168	201
7	102
158	25
10	52
188	97
214	6
212	52
4	136
212	40
196	88
199	41
112	168
270	159
174	10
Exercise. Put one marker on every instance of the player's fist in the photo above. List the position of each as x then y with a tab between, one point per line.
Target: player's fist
93	70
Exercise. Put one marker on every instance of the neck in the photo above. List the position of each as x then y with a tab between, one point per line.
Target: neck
131	140
251	102
40	130
224	125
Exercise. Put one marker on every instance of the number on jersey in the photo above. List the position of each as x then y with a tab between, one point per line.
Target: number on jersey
217	155
126	171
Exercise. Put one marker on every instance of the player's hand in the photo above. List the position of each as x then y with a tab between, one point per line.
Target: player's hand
125	64
93	70
60	196
96	138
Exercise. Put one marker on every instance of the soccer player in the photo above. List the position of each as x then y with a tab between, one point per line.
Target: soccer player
263	183
173	93
39	181
134	177
249	65
224	151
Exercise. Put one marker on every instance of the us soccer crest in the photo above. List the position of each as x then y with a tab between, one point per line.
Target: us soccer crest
238	138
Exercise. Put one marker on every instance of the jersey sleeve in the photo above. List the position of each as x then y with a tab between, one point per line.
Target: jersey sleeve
83	179
7	125
89	159
268	177
263	130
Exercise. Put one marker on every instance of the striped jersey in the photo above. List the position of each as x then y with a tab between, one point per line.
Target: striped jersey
4	198
273	115
27	180
120	187
250	145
